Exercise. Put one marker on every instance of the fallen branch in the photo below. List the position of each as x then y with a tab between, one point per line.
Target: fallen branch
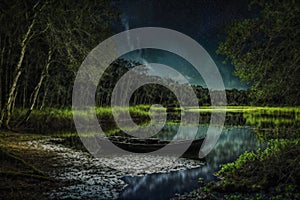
13	173
33	168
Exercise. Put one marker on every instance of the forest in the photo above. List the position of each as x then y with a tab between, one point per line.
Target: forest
43	43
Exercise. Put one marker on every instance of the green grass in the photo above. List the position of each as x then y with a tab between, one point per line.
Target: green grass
61	120
243	109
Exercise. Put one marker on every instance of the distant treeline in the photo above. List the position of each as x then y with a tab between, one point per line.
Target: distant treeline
156	93
57	91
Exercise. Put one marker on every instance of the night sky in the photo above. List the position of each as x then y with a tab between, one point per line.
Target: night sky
203	20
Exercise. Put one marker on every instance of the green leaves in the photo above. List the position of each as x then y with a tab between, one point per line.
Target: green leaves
265	51
276	165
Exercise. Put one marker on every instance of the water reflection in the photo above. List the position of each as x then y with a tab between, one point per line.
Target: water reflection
232	143
170	132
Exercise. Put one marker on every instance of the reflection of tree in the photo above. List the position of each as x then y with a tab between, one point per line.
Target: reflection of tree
274	122
232	143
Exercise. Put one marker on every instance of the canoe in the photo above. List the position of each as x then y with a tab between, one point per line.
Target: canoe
138	145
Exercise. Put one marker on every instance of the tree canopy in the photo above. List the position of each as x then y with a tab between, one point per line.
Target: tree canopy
265	52
42	44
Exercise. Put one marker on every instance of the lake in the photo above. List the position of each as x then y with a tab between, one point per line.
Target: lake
233	142
244	130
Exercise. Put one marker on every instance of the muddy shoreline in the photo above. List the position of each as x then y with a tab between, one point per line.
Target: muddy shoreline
76	175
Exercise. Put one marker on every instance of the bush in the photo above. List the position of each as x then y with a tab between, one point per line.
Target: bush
276	166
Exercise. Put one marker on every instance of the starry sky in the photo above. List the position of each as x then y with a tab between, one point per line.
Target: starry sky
203	20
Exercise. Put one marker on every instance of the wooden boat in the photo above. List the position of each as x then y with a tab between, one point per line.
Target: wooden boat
138	145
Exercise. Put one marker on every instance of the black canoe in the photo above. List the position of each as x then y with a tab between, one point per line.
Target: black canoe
137	145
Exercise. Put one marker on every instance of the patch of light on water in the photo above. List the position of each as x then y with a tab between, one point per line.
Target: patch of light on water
101	178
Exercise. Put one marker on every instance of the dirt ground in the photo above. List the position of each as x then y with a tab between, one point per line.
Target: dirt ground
25	170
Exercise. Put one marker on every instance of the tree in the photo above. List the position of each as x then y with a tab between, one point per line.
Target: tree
52	37
265	52
24	37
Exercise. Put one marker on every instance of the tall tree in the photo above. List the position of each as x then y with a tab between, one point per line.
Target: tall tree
27	31
265	51
54	36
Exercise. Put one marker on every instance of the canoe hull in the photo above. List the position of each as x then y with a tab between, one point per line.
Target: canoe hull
147	146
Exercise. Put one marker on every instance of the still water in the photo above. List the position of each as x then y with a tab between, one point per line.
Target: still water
233	142
239	135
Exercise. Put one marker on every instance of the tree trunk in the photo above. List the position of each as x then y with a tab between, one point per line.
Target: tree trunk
24	92
7	110
2	77
35	93
44	96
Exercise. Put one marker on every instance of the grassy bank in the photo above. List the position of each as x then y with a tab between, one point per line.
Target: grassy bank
274	170
53	120
273	173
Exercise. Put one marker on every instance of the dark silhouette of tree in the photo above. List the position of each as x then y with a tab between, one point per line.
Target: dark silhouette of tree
46	40
265	52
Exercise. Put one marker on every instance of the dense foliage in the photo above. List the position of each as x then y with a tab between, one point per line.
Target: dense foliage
42	45
155	93
265	52
275	166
